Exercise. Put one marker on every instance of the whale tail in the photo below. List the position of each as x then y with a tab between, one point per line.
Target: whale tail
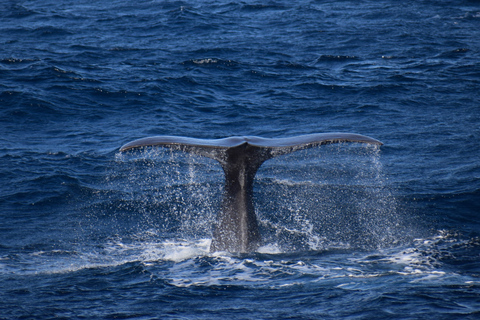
236	228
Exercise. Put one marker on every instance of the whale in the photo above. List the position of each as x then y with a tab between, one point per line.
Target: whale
236	228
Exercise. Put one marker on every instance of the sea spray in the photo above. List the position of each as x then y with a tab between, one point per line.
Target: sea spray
335	196
329	197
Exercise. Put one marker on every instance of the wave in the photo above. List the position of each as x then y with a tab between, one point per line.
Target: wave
17	63
212	62
187	263
335	58
18	11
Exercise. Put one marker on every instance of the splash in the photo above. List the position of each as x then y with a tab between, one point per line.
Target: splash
188	263
331	197
336	196
175	193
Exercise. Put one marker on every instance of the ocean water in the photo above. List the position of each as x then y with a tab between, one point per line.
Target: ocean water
350	231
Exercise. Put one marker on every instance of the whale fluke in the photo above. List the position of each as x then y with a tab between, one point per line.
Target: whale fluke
236	228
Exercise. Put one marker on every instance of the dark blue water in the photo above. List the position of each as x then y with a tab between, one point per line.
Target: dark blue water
349	231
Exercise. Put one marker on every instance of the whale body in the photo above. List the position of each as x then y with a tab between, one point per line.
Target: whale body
236	228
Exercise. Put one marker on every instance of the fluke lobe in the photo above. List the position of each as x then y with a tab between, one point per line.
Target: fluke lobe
236	228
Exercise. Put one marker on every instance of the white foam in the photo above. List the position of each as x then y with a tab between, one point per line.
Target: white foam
205	61
270	249
180	252
186	263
